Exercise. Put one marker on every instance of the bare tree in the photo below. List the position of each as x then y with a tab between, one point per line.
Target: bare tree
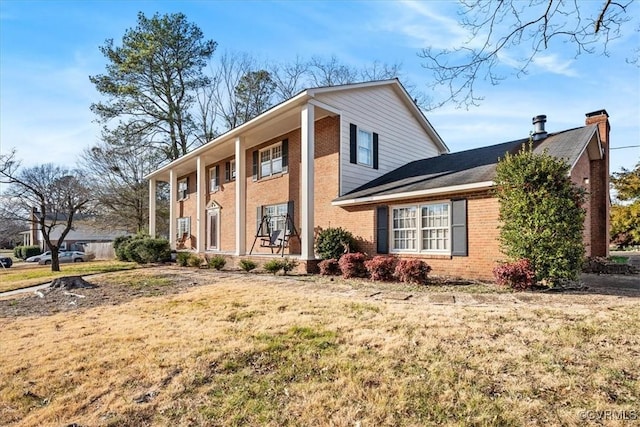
497	26
290	78
56	192
117	172
330	72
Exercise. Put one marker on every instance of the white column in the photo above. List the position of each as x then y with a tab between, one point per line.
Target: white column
173	206
307	177
201	191
241	202
152	206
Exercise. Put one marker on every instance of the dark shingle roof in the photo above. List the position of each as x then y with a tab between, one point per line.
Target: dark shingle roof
469	167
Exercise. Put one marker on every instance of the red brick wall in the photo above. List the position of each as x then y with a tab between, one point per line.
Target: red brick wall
188	208
482	226
226	198
582	170
599	181
273	190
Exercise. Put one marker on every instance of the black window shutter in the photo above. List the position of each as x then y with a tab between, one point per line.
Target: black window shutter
217	172
285	155
227	171
382	229
255	165
259	221
375	150
459	245
353	143
290	213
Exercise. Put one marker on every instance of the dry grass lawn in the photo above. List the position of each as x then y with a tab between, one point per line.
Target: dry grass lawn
23	275
258	350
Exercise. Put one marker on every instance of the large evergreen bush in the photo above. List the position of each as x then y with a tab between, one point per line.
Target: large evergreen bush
334	242
541	214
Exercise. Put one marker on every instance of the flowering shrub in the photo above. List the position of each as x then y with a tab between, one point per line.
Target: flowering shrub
352	265
381	267
412	271
329	267
517	275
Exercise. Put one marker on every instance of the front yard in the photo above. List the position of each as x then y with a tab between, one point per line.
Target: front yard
197	347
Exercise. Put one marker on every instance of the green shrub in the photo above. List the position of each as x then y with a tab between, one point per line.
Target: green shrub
288	264
153	250
194	260
218	262
24	252
247	265
29	251
273	265
334	242
119	244
541	214
131	250
182	259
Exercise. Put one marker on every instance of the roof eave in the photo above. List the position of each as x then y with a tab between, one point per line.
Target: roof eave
414	194
267	115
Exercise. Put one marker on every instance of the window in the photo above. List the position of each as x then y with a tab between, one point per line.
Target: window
277	216
404	228
433	227
184	227
365	148
271	160
214	179
232	170
183	188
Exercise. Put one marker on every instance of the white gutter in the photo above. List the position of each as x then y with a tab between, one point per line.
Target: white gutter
231	133
414	194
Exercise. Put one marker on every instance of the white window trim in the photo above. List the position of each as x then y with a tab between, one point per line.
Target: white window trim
419	229
270	148
232	172
187	229
214	185
210	213
358	130
278	217
183	194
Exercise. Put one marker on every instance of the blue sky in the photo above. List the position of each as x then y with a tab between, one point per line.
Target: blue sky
49	48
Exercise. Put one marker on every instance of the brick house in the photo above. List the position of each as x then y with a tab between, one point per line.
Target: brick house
362	157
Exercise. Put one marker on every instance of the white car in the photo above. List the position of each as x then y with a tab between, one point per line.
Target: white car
67	256
37	258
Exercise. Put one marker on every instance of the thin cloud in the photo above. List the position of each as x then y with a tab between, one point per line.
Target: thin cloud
425	26
553	64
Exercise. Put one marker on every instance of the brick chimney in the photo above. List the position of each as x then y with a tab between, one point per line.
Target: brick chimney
599	196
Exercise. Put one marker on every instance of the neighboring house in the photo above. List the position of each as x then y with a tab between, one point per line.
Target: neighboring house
84	231
362	157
